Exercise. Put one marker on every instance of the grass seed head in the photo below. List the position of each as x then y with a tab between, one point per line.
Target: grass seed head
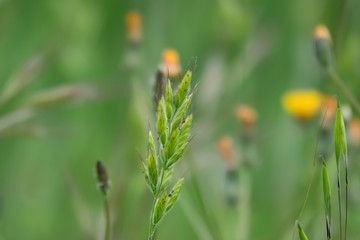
340	136
102	177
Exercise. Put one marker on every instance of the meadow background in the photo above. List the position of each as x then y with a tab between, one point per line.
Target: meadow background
248	52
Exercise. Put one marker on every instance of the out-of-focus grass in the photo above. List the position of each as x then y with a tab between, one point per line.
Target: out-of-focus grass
256	49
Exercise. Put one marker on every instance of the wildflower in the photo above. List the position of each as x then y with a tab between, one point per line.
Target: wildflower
354	131
170	62
322	43
302	104
321	31
225	147
246	115
134	27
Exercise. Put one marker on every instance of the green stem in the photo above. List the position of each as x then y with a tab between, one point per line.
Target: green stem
339	190
245	204
340	24
152	225
348	94
107	218
347	196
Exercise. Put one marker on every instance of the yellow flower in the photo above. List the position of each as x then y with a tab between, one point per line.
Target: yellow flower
246	115
133	26
302	104
170	62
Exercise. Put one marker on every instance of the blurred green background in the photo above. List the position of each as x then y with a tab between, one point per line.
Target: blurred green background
248	52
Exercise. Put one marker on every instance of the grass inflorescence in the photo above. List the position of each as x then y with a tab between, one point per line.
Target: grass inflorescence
173	124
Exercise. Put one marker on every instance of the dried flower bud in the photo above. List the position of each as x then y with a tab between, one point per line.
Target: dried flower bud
102	177
170	62
246	115
225	147
322	44
134	27
159	87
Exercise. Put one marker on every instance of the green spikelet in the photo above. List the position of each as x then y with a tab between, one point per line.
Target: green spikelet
183	90
302	235
174	194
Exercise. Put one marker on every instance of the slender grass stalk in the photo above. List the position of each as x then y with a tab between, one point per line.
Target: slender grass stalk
347	195
107	218
104	185
244	207
340	24
343	88
339	200
327	200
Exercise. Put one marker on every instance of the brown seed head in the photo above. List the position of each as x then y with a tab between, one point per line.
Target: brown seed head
102	176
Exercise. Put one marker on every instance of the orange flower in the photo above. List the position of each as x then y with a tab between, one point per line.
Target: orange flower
321	31
225	147
302	104
329	107
170	62
134	27
246	115
354	131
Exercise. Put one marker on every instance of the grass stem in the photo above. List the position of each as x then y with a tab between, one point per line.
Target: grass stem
339	191
348	94
107	218
347	197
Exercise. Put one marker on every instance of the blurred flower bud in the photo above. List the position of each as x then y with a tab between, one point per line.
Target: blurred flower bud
354	131
102	177
329	108
134	27
246	115
302	104
322	44
225	147
170	62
